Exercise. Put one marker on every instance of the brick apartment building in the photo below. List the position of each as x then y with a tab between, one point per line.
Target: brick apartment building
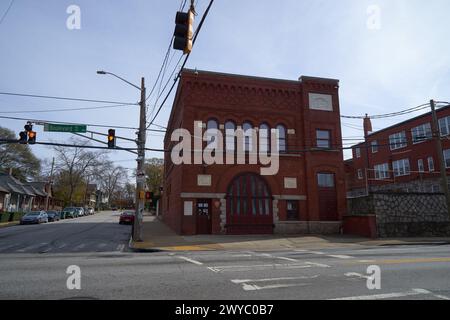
400	158
307	195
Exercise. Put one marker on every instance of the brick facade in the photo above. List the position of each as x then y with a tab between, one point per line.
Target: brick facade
202	96
419	179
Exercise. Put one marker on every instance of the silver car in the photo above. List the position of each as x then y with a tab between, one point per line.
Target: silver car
34	217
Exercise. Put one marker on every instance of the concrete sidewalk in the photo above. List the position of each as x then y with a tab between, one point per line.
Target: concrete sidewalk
159	237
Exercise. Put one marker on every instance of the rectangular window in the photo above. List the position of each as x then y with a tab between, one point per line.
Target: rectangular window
398	140
401	167
444	126
421	133
420	165
382	171
447	158
325	180
374	146
358	152
430	164
360	174
323	139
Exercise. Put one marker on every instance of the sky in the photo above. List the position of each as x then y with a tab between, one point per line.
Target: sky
388	55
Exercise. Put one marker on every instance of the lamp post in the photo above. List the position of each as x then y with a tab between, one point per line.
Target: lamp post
140	173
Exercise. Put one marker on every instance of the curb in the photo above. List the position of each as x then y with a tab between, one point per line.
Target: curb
9	224
132	247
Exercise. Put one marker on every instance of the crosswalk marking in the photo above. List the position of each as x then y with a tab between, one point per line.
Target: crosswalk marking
413	292
32	247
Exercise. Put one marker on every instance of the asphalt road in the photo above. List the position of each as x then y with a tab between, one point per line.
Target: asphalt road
96	233
110	272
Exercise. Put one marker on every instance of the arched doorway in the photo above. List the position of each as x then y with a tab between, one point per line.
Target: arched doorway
249	206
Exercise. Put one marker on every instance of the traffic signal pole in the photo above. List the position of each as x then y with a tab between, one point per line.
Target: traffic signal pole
140	173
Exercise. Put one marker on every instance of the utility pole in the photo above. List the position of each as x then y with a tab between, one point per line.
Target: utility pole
140	173
443	169
50	182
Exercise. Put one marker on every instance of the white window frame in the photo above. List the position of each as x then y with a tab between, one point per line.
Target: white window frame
421	133
401	167
381	171
398	140
431	167
421	166
360	174
444	126
447	158
358	153
374	145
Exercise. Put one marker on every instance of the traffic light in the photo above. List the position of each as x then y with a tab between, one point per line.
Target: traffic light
111	138
23	137
184	31
31	137
148	195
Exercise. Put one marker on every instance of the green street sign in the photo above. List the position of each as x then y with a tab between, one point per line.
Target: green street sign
52	127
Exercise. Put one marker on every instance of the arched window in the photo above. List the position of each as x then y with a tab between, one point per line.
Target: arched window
247	128
264	138
230	139
212	127
249	196
282	145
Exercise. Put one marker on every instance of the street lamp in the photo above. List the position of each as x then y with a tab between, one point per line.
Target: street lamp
140	176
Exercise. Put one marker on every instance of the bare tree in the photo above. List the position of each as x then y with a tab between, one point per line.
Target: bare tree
74	165
110	178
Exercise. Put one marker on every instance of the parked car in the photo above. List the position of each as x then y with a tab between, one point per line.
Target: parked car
69	213
53	216
91	210
81	211
126	217
34	217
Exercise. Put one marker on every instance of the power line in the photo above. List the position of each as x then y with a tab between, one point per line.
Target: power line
389	115
185	60
69	109
7	11
63	98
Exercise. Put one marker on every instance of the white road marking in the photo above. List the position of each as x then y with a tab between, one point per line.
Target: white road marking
358	275
239	281
62	245
276	257
191	260
251	287
258	267
241	255
102	245
317	252
320	265
440	296
32	247
120	247
287	259
413	292
366	261
340	256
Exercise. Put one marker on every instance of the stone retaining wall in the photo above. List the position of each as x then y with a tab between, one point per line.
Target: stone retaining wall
404	214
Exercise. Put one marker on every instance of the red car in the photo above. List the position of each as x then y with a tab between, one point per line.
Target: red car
126	217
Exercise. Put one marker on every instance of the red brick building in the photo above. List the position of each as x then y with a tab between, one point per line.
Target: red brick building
307	195
400	158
